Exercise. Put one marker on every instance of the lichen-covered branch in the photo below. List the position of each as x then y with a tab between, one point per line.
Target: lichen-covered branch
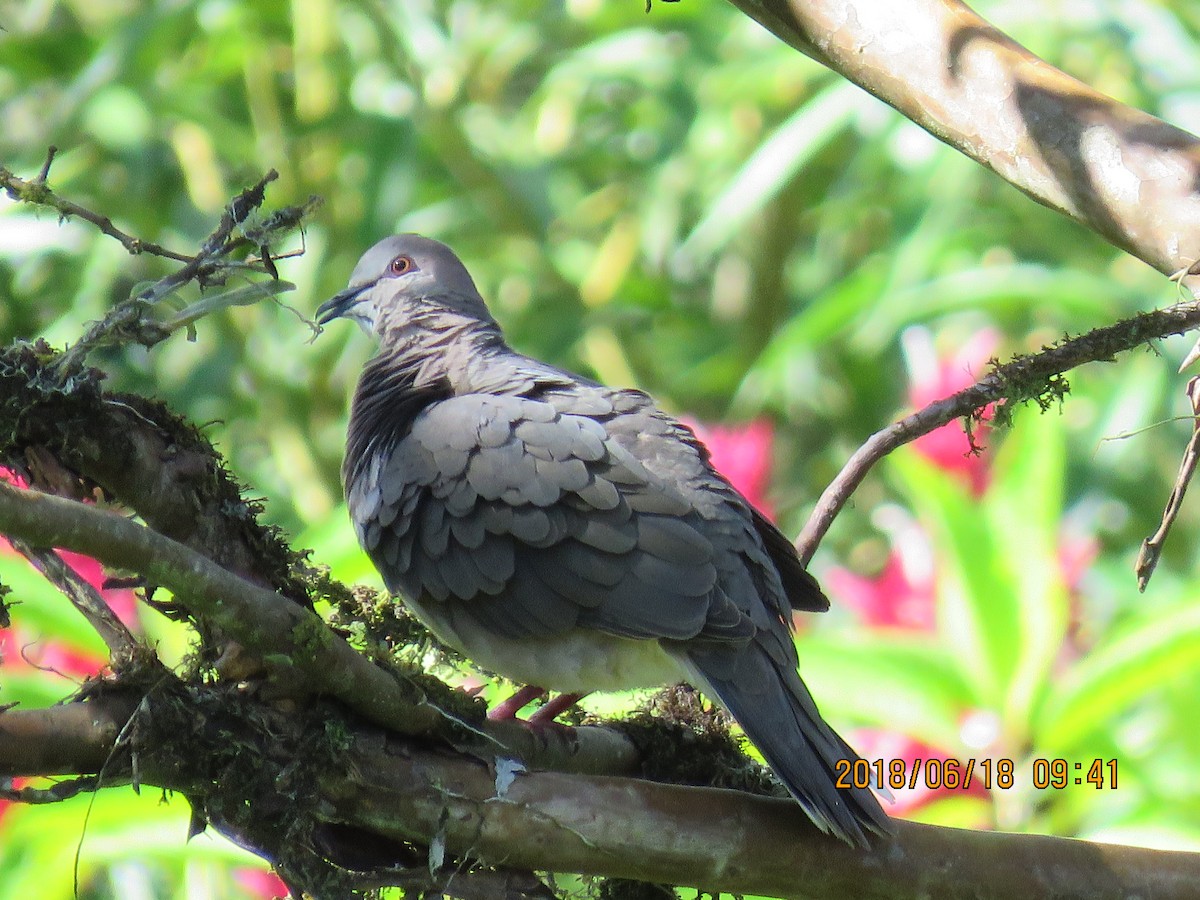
1119	171
1037	378
131	320
37	192
141	454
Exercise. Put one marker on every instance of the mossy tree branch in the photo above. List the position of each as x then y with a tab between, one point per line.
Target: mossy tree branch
1036	378
409	798
315	659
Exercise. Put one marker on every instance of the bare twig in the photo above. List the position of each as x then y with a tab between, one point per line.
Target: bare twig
129	321
85	598
44	173
38	193
1152	546
56	793
1037	377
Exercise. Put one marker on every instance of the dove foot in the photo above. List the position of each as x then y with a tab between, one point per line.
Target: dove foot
508	709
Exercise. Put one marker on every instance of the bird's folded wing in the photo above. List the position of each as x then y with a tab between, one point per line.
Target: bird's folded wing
537	521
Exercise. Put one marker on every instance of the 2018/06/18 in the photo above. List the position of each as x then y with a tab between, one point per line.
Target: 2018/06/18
936	774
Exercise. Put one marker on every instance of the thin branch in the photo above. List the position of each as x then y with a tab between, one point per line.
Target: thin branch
56	793
1036	377
85	598
1152	546
1121	172
38	193
128	320
275	628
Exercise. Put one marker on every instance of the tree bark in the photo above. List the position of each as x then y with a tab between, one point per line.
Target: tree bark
1121	172
710	838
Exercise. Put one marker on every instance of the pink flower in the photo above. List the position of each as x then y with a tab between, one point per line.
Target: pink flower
922	771
1076	553
895	598
742	453
122	600
261	883
903	593
932	379
19	648
7	805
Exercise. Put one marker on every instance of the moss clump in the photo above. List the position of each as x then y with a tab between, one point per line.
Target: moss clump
684	740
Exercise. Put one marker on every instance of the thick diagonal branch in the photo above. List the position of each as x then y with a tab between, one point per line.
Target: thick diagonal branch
144	456
1119	171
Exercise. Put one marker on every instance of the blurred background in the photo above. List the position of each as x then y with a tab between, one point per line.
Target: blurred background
674	201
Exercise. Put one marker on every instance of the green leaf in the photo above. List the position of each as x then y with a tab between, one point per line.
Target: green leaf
887	681
1023	506
772	165
1163	647
978	613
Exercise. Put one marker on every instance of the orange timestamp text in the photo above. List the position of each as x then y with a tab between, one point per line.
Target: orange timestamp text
953	774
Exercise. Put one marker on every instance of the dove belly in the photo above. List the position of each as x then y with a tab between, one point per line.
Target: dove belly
580	660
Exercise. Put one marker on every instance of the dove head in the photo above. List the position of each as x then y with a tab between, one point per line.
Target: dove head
407	281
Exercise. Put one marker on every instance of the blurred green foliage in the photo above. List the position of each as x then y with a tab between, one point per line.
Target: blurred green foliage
679	202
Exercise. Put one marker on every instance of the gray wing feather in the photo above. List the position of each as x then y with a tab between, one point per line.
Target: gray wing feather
468	531
674	540
567	474
612	531
533	512
599	494
496	559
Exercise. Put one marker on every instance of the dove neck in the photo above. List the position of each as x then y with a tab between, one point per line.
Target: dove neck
440	348
394	388
423	360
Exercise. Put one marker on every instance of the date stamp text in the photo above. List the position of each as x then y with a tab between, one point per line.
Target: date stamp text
953	774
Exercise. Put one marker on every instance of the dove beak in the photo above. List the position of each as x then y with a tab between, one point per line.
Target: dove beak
339	303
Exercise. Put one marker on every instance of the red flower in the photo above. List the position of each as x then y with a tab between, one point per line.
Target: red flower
922	770
932	379
20	648
902	593
260	883
122	600
742	453
892	599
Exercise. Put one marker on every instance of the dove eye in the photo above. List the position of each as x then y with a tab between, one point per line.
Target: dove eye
400	265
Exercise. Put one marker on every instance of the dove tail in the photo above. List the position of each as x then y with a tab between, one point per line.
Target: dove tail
780	718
